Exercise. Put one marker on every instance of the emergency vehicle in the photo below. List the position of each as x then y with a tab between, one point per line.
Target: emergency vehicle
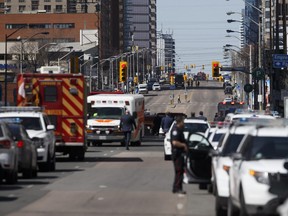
104	113
230	107
63	98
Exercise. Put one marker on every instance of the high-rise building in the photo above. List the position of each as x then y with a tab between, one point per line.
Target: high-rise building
169	50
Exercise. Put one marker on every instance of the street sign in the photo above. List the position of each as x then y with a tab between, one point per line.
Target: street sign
258	74
280	60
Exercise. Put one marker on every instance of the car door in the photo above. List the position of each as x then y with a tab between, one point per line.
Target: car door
198	159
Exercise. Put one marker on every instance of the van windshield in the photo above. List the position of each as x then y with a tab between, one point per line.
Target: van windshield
106	113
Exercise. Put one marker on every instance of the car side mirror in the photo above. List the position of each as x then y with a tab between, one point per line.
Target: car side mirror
214	153
237	156
50	127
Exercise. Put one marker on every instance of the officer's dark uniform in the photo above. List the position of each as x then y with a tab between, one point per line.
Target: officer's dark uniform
178	158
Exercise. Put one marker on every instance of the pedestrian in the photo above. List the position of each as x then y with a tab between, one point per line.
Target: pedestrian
220	117
127	124
179	99
179	148
216	117
201	116
185	95
198	83
166	122
193	115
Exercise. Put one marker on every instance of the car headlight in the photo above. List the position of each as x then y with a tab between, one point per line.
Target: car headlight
39	142
261	177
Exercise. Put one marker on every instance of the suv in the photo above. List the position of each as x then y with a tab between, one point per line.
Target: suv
259	157
39	129
190	126
142	89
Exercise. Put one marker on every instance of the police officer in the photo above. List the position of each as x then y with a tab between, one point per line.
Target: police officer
179	147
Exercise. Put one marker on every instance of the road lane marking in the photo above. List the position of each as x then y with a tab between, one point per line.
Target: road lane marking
102	186
180	206
105	154
29	186
77	167
100	198
11	195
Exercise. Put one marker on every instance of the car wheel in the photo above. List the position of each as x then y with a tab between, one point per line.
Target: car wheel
81	154
52	163
27	173
167	157
218	208
210	188
12	177
232	210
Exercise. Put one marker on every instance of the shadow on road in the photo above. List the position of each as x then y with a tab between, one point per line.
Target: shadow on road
7	199
114	159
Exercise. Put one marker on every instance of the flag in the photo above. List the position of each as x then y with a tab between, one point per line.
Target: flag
21	91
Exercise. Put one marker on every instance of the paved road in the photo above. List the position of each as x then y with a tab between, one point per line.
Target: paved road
204	98
111	181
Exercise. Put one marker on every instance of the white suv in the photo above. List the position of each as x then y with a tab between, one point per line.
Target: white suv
260	155
190	126
39	129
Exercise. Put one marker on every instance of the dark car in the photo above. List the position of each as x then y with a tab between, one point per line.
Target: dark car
27	150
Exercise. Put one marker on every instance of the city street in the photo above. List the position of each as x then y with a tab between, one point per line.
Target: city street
111	181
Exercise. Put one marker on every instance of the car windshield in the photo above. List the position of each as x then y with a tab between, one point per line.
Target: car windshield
29	123
106	112
266	148
15	130
195	127
232	144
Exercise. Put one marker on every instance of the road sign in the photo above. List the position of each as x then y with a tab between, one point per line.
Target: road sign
258	74
280	60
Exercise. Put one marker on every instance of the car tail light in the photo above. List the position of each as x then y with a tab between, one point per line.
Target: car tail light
20	144
5	144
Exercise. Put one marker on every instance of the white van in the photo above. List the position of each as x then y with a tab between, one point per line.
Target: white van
104	113
143	88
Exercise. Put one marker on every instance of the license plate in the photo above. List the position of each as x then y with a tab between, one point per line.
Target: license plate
102	137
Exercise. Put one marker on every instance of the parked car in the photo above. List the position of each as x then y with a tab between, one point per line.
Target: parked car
190	126
8	155
156	87
142	88
27	150
216	136
39	129
260	156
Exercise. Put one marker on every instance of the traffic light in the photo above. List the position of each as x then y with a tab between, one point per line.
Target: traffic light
123	71
215	69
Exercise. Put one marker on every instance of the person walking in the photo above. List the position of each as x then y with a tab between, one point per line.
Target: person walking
166	122
179	99
127	124
179	147
201	116
186	96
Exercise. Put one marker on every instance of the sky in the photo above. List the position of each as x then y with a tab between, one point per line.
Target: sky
199	29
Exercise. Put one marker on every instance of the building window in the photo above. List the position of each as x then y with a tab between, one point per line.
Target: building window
64	25
47	8
21	1
34	7
40	26
59	8
21	8
8	1
58	0
47	0
15	26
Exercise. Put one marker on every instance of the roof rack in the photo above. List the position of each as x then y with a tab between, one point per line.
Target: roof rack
260	123
21	109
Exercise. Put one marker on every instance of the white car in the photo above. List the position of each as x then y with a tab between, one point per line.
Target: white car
259	157
216	135
156	87
190	125
143	88
8	155
39	129
221	163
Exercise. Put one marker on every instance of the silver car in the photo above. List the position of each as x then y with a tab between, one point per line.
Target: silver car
8	155
27	150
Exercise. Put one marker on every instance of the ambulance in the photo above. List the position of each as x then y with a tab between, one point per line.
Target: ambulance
104	113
